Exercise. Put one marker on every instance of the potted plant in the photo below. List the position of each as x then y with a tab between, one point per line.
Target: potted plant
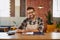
58	27
49	18
50	25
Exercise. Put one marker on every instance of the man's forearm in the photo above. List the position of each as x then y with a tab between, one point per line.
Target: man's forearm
19	30
34	30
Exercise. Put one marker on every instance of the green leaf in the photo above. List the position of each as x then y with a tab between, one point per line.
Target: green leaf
14	22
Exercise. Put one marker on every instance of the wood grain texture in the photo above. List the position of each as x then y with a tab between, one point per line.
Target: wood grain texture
18	36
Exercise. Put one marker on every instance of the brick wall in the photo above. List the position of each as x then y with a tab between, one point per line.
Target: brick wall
40	12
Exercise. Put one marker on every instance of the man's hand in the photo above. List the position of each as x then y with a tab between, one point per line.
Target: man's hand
20	31
34	30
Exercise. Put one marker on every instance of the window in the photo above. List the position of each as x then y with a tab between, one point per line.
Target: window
7	8
4	8
56	8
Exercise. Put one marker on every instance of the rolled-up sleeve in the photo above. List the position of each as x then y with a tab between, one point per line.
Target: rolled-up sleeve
23	24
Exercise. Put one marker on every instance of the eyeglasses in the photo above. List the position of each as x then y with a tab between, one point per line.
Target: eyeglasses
30	12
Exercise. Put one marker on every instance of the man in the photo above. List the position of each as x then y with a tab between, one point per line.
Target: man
31	23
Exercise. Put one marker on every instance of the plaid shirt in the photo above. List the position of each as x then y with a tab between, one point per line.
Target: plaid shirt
27	21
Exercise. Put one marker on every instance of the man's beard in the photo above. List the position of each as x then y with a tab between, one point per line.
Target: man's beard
31	16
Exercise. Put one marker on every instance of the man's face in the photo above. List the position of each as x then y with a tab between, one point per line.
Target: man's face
30	13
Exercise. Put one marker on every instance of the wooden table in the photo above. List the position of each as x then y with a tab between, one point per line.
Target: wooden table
18	36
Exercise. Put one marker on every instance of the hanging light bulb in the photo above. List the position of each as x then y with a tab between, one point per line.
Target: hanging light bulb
40	7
